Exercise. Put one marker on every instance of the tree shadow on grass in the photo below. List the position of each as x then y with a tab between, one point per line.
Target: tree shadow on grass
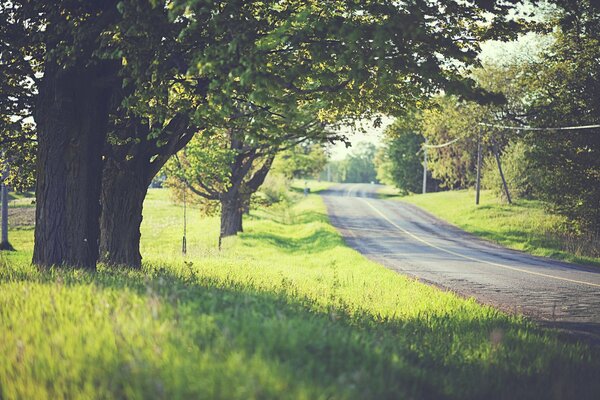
338	351
289	218
320	240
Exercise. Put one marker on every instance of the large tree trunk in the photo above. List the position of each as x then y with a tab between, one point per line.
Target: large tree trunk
71	117
128	171
231	215
124	187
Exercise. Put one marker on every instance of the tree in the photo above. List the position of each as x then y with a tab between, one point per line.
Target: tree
71	114
564	89
19	63
517	169
359	166
92	56
447	120
4	243
229	165
259	58
401	159
306	160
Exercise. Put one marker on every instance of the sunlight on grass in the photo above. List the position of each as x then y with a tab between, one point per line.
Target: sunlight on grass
285	311
524	225
314	185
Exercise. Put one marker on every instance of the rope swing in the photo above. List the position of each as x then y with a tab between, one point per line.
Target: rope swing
184	241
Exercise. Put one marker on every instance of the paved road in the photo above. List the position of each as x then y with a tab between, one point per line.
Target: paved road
413	242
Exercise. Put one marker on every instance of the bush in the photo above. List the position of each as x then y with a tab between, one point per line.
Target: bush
274	189
517	171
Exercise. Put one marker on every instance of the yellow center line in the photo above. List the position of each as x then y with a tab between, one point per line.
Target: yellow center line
473	258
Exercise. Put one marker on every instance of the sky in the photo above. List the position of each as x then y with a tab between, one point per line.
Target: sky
372	135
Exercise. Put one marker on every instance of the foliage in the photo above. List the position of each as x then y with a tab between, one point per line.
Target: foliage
301	161
383	166
401	159
518	172
448	119
203	162
275	188
160	72
359	165
334	171
565	90
180	193
19	64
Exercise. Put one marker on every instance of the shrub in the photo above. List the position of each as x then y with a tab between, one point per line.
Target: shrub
274	189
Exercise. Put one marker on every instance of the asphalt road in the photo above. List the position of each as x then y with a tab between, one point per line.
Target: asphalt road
413	242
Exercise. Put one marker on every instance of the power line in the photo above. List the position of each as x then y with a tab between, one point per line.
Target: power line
530	128
437	146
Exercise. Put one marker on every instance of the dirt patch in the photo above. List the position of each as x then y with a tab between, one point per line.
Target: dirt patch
21	217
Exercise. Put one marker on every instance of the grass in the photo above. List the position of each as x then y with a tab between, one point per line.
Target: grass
524	225
314	185
285	311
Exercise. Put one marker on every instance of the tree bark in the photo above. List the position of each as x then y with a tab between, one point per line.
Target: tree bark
237	200
124	188
231	215
71	116
128	171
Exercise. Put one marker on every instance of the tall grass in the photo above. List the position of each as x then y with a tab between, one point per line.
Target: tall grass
285	311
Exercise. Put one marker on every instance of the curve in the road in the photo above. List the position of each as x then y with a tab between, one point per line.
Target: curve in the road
412	241
473	258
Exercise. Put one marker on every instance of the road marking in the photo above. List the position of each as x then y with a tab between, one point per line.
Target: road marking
473	258
352	188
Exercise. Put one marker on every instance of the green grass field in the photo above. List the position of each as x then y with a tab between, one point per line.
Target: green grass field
286	310
524	225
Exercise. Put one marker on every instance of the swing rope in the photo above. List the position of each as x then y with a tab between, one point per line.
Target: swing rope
184	241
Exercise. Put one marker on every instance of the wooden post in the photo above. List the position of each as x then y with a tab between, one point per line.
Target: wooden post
495	145
4	243
478	183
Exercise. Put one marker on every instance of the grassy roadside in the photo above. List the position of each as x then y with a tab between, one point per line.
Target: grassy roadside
524	225
314	185
286	311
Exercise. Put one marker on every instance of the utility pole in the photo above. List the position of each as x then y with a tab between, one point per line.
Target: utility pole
4	244
425	168
478	183
495	146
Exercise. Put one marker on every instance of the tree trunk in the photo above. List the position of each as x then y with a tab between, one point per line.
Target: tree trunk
124	187
128	171
71	117
231	215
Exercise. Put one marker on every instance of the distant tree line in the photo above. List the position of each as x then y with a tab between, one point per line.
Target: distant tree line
357	167
558	87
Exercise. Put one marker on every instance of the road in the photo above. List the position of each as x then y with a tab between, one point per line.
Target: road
413	242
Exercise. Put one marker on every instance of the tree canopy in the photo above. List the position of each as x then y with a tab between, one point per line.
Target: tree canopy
126	84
